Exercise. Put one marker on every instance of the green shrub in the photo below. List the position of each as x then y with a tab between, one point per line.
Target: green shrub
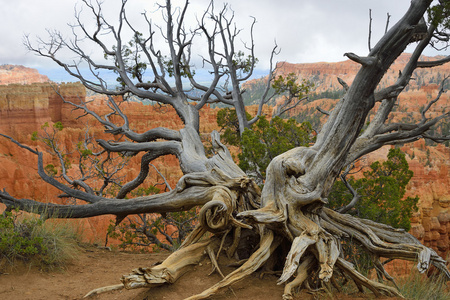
267	139
382	191
263	141
30	239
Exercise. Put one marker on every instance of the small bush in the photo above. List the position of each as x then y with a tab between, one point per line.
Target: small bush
31	240
139	232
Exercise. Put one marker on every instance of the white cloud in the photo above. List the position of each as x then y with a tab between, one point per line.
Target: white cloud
306	31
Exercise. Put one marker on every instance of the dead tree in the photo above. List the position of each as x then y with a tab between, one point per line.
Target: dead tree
291	209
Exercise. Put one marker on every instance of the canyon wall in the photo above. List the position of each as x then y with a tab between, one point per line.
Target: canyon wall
324	74
25	108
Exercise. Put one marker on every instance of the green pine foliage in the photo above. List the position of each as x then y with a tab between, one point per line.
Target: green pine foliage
267	139
264	140
228	121
291	86
382	191
439	15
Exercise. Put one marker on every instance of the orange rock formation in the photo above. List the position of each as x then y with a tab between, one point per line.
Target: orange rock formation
24	108
19	74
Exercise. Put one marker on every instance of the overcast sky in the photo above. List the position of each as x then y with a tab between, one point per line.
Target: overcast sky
305	30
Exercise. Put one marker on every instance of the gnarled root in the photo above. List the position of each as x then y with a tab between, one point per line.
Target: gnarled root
268	244
216	215
167	272
104	289
313	232
302	274
387	241
377	288
328	252
171	269
299	246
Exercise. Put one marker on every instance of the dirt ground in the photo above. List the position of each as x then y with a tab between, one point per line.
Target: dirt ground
100	267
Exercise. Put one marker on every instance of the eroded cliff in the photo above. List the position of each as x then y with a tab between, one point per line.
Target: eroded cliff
25	108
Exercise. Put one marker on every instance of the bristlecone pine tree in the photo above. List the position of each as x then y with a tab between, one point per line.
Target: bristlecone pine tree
291	210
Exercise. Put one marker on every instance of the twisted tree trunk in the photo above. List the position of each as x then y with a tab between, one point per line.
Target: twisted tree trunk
298	181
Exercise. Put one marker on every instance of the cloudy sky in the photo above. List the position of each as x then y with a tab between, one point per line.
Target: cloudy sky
305	30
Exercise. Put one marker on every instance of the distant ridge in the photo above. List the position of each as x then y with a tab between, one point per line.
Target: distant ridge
17	74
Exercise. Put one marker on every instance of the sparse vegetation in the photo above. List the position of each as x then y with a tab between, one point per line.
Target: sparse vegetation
31	240
416	287
144	232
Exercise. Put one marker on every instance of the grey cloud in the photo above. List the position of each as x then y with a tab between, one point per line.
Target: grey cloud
306	30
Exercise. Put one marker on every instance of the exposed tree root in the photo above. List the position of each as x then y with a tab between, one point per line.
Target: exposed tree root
315	250
171	269
268	244
292	261
104	289
387	241
213	259
377	288
302	274
312	233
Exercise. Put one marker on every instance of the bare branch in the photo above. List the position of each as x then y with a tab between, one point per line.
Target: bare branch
356	196
128	187
365	61
265	98
161	148
166	202
370	29
441	91
323	111
431	64
343	83
387	23
87	197
284	107
166	183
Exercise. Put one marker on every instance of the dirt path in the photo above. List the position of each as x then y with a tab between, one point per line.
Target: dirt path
98	267
93	268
